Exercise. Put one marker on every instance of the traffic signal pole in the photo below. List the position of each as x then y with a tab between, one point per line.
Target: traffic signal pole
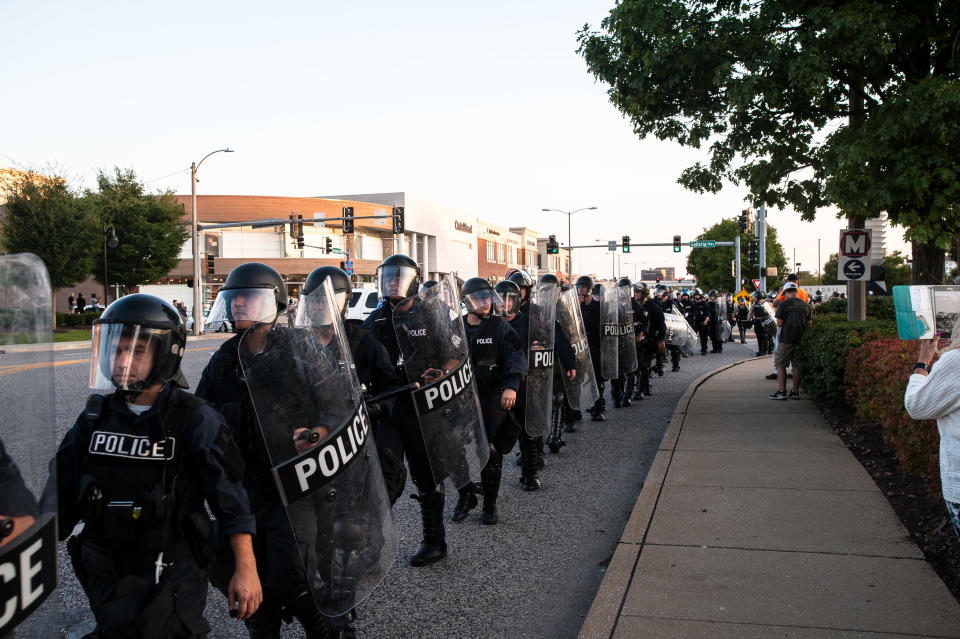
738	280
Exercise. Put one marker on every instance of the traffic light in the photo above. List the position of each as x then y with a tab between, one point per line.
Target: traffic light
210	269
398	220
552	247
347	215
733	268
299	231
676	243
744	220
328	245
752	252
293	227
343	265
625	242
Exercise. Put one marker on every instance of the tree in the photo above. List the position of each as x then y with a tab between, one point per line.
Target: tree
807	104
149	228
711	266
897	270
45	217
830	270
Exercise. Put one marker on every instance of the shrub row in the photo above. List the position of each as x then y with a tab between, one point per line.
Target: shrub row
876	378
77	319
878	307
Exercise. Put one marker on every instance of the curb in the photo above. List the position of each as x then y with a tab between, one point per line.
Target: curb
601	620
85	344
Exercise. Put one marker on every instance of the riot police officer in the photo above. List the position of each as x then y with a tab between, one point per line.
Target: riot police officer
252	299
639	380
656	331
398	278
374	368
590	308
499	367
702	324
758	314
713	313
534	445
136	467
741	316
618	386
670	305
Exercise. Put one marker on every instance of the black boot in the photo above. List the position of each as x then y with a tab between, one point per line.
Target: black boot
541	458
491	487
467	502
616	391
599	410
433	548
528	478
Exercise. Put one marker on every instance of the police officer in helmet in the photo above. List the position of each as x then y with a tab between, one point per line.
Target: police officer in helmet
398	277
590	308
499	367
136	467
252	299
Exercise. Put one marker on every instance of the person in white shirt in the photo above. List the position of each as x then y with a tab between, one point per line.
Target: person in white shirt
934	393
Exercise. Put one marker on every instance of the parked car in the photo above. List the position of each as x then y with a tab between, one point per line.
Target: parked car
363	301
93	307
222	327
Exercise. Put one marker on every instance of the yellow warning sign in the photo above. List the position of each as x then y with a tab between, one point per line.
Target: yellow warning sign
742	296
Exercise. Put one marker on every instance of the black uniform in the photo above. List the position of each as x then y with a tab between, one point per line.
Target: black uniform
671	305
656	331
741	315
592	325
280	560
640	379
704	322
764	343
139	483
498	362
716	339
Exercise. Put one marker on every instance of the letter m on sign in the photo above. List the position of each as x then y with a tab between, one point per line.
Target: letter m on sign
855	243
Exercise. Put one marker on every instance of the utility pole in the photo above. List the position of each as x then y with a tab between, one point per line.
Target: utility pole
738	278
762	232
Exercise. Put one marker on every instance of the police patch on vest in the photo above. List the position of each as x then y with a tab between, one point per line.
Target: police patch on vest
539	359
28	572
131	446
442	392
311	470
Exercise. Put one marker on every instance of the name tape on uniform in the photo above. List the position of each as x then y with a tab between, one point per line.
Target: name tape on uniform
539	359
131	446
309	471
442	392
28	572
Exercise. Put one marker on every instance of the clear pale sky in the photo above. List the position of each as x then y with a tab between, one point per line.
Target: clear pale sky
486	108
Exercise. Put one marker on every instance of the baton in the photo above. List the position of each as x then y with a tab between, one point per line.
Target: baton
390	394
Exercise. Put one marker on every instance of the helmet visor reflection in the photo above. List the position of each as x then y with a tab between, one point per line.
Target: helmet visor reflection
396	281
484	303
132	357
241	308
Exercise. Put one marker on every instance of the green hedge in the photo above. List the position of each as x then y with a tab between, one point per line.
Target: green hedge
77	319
822	355
878	307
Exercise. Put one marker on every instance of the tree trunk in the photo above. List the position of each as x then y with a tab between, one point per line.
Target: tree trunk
927	264
53	308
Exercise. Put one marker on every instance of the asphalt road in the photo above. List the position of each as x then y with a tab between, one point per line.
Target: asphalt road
533	575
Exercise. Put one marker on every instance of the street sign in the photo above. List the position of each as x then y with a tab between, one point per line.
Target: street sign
348	271
854	263
336	250
320	217
742	295
756	284
703	244
612	245
348	265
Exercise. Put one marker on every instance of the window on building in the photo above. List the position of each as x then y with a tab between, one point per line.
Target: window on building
490	249
500	256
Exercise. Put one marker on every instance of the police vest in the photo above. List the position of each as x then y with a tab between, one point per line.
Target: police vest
485	353
143	492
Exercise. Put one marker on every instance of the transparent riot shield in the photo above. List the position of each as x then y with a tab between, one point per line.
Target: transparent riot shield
28	439
680	333
314	424
433	345
542	317
609	327
582	389
769	323
626	346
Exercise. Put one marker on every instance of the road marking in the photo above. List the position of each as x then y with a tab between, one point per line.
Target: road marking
20	368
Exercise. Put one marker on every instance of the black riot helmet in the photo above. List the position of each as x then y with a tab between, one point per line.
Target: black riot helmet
480	298
549	278
253	293
641	288
398	277
624	281
509	292
713	292
138	341
523	280
584	280
342	287
426	285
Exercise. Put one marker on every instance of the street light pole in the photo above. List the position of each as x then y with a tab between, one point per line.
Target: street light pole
569	215
195	236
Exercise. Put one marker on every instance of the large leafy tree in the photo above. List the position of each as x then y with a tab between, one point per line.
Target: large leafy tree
43	216
149	229
851	102
711	266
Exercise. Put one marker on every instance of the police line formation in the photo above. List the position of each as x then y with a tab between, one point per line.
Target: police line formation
299	437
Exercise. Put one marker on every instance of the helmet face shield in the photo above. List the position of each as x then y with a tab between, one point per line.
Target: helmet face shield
243	308
315	310
511	302
396	281
484	303
131	357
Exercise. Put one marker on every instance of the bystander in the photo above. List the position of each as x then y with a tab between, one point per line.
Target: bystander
793	317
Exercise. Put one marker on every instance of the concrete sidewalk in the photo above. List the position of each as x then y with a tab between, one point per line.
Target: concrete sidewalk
756	521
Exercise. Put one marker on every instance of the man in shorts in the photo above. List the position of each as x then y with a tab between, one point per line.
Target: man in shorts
793	317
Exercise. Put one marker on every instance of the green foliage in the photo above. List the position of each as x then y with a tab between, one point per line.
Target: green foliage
44	217
77	319
830	270
876	377
822	354
763	82
878	307
898	271
148	227
711	266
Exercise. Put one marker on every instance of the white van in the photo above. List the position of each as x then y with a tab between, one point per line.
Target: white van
363	301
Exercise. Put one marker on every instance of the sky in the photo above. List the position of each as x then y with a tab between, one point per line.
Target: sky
486	108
